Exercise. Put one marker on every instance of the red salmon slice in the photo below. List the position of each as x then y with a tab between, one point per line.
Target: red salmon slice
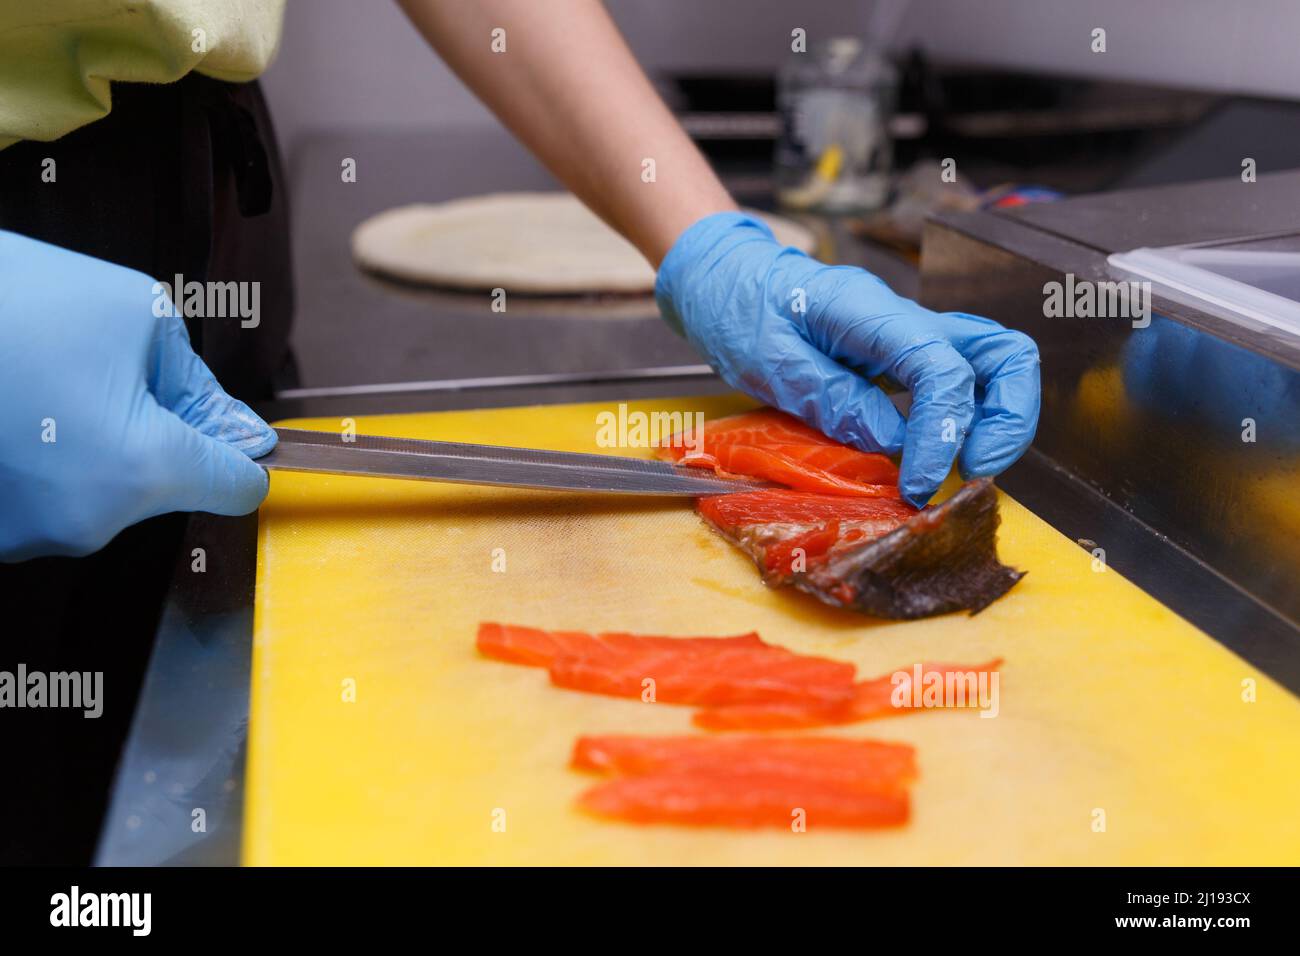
871	699
763	426
704	671
865	764
772	446
534	647
727	676
743	801
789	465
802	508
786	532
527	645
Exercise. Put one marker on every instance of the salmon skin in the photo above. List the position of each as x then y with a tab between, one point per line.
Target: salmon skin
773	446
704	671
877	556
840	531
871	699
748	782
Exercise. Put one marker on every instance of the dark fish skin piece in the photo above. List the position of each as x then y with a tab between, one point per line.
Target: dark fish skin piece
941	560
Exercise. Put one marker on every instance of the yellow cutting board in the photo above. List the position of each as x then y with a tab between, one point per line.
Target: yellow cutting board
379	736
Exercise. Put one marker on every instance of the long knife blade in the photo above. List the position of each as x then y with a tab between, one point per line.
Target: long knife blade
380	457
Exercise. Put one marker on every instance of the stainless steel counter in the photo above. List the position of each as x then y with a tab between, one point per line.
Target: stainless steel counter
1192	424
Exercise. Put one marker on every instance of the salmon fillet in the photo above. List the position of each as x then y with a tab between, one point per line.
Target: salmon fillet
878	556
742	682
534	647
748	782
840	531
741	800
773	446
872	698
705	671
869	764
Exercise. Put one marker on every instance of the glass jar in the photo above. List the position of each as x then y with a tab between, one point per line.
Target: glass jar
834	153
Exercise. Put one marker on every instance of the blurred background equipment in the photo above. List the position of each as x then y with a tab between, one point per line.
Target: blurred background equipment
523	243
835	102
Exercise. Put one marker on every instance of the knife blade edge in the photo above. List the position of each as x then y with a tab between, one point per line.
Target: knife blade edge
460	462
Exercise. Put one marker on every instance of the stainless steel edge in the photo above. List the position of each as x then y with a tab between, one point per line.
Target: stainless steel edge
179	791
1159	419
499	381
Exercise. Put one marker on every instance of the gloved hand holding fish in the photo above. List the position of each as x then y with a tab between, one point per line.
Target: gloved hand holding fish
807	338
839	529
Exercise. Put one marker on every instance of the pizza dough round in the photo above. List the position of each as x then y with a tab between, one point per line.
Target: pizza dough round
527	242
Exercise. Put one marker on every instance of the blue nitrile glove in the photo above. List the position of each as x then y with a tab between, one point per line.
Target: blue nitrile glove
107	416
805	338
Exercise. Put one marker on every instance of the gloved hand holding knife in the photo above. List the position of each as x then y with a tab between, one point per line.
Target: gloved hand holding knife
108	417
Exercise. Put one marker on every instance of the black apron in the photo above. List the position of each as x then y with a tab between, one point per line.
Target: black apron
182	178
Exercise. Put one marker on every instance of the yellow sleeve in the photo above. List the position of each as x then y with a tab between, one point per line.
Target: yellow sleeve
58	58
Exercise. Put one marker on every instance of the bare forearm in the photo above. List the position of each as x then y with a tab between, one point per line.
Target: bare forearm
570	89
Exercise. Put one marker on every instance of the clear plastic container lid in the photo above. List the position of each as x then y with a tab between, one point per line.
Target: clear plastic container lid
1253	279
